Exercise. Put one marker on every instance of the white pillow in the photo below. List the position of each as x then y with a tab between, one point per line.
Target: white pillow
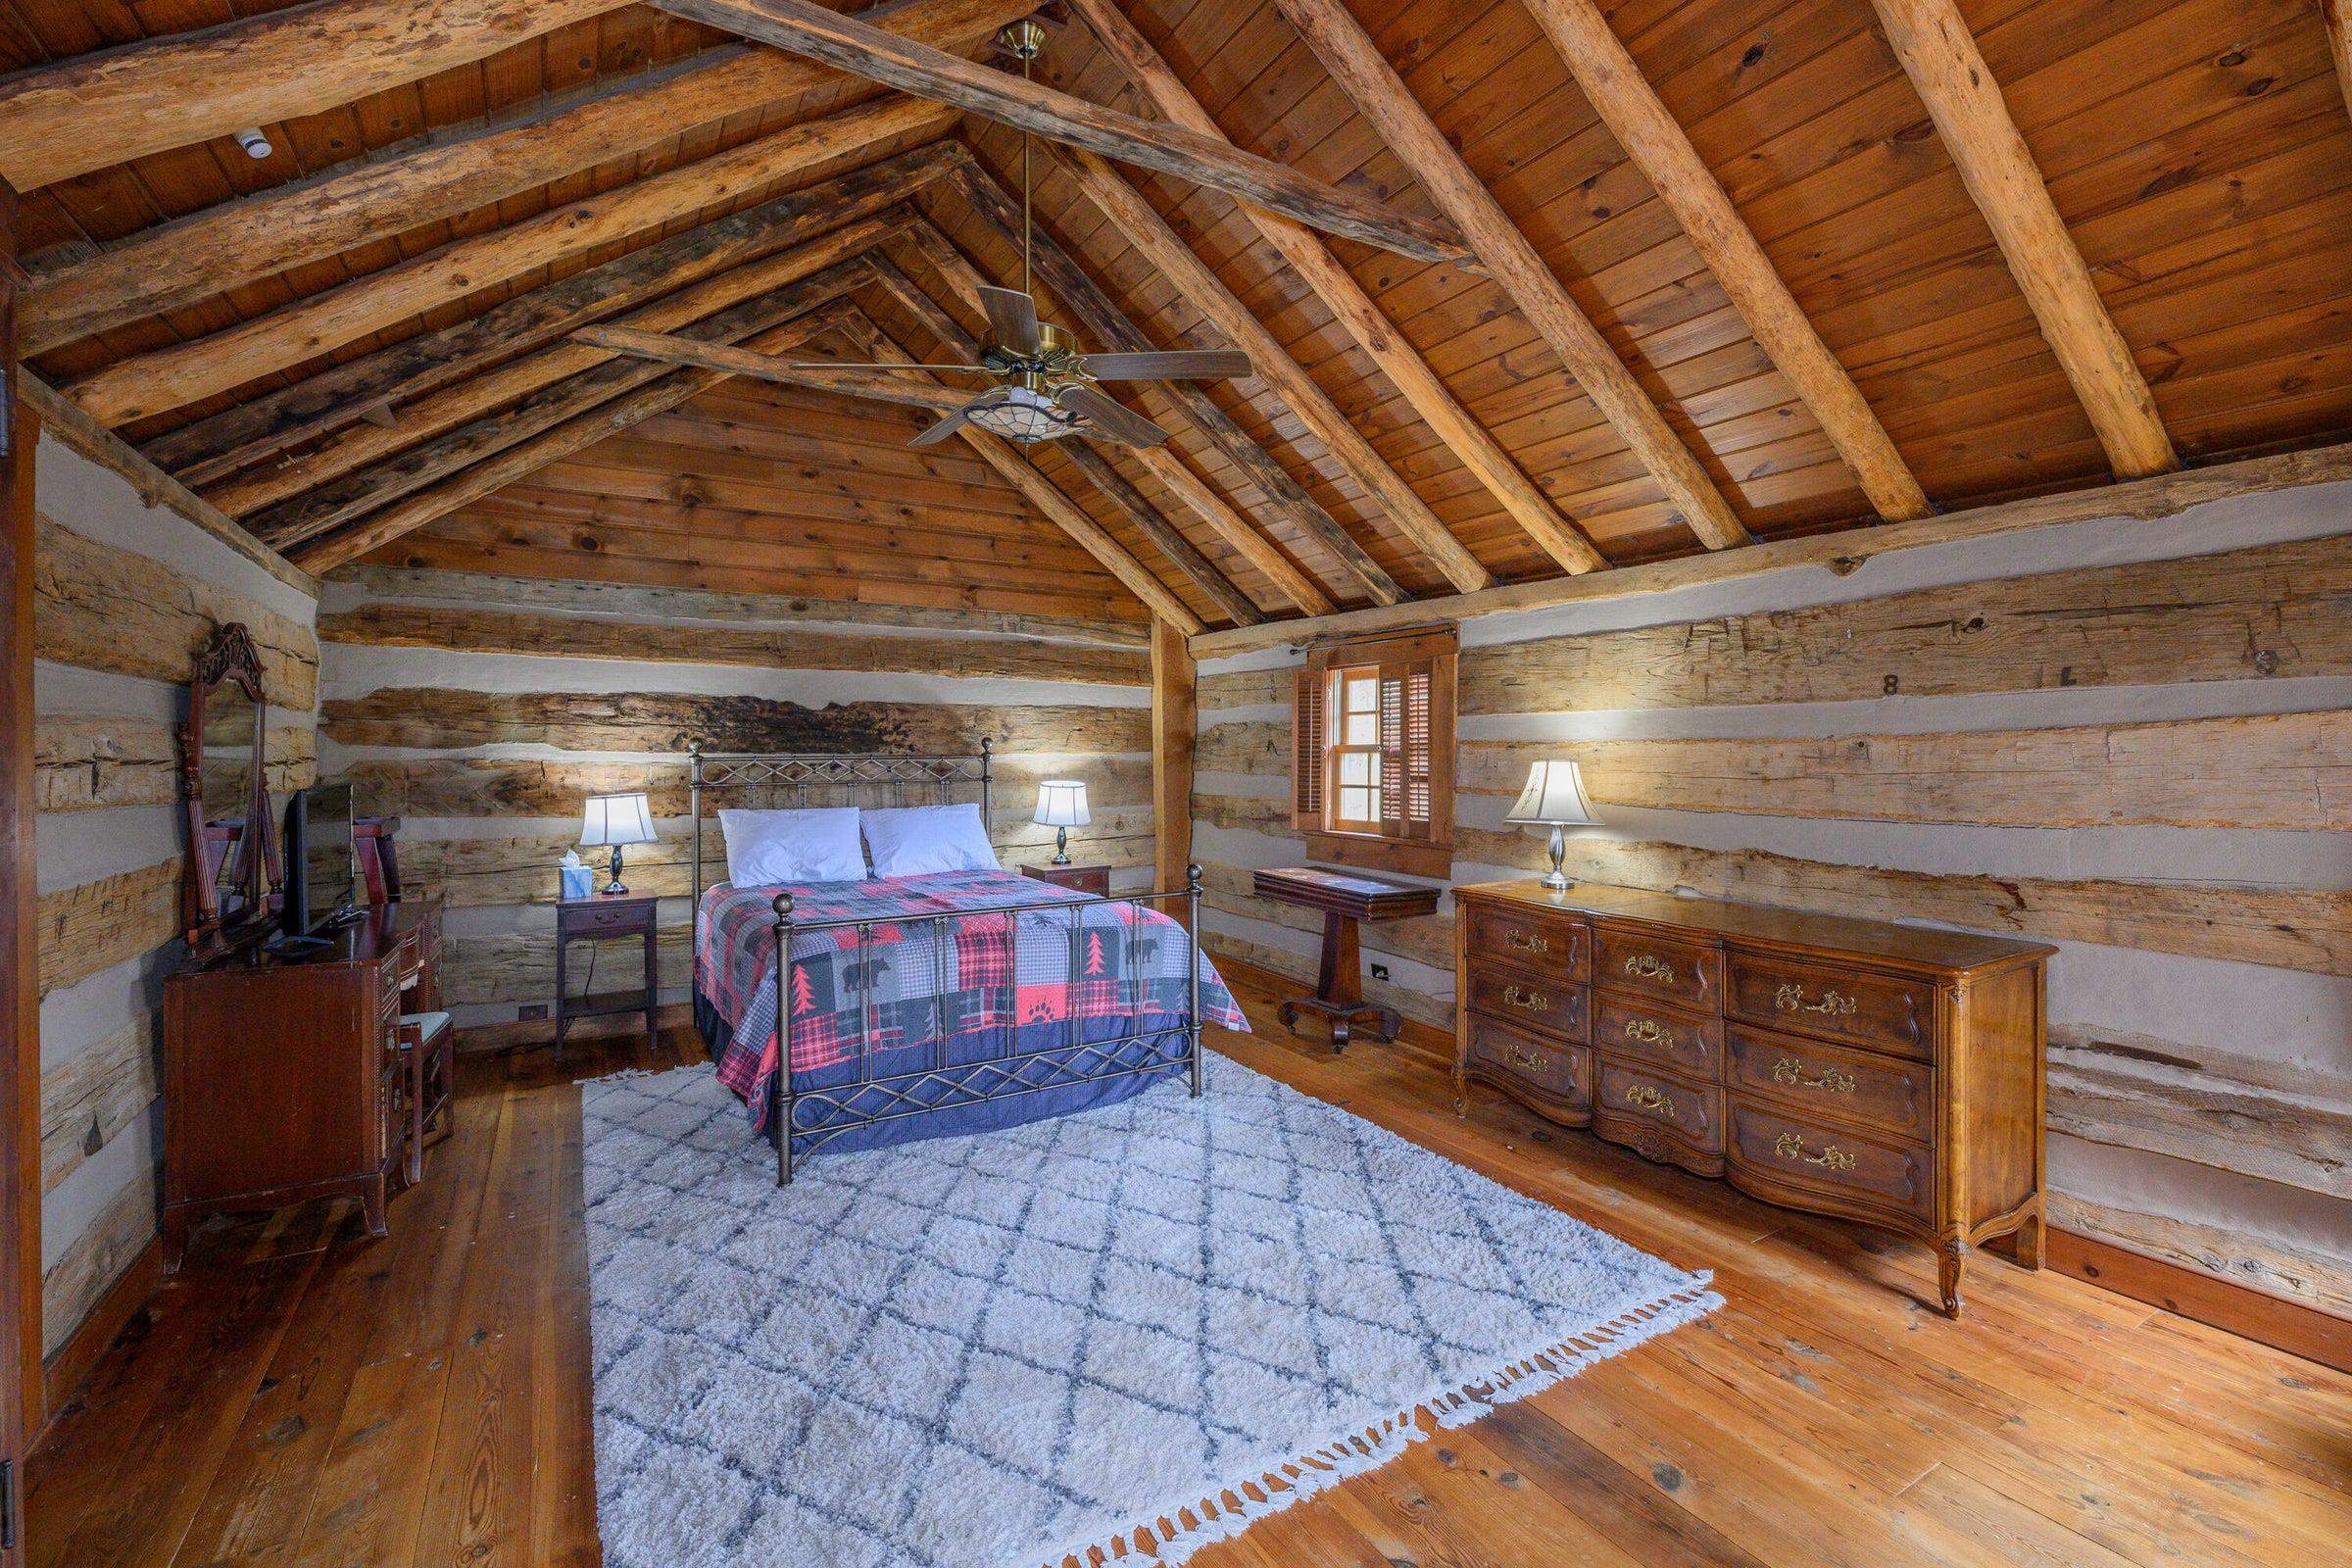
918	840
818	845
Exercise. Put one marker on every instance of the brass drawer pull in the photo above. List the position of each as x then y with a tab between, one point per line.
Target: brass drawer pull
1520	1056
1790	1146
1789	1070
1641	1097
1791	997
1525	943
1650	966
1646	1030
1525	1000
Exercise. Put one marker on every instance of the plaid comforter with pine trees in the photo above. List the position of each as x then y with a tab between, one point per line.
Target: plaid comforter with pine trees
911	993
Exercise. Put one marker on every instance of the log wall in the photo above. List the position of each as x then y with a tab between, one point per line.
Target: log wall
124	595
483	710
2131	739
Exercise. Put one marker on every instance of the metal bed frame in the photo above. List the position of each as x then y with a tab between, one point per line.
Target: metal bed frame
838	778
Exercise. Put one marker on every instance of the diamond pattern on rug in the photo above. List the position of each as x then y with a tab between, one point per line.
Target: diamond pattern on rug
991	1351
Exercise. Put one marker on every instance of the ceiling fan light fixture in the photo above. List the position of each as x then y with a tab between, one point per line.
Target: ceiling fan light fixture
1026	415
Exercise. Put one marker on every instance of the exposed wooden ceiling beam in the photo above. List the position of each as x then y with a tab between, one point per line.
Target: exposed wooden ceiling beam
494	473
1939	55
677	347
1089	460
852	46
98	109
208	449
2337	14
1162	463
365	441
223	246
1057	509
1141	224
170	378
1656	141
1378	336
1079	293
1368	79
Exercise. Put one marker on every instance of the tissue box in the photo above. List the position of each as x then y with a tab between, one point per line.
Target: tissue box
579	881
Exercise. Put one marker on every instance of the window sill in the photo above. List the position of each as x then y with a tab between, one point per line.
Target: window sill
1366	852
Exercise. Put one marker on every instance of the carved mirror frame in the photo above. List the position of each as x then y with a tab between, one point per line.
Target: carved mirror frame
228	657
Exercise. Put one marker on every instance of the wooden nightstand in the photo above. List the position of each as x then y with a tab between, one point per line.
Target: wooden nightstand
599	918
1094	879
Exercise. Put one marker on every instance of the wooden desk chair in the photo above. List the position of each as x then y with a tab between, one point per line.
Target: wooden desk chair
428	1055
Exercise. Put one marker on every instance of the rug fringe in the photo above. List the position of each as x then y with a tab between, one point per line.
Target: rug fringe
1173	1538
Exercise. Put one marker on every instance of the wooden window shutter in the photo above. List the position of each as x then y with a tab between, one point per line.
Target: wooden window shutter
1414	742
1306	748
1393	765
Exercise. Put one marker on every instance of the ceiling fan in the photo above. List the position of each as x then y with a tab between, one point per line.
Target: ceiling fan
1046	384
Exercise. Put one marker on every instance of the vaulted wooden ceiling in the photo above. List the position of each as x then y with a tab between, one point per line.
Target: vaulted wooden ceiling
1754	267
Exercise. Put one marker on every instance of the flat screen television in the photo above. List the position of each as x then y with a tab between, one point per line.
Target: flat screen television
322	868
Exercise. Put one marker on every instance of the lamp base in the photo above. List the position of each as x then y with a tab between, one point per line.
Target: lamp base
1557	881
1061	845
613	887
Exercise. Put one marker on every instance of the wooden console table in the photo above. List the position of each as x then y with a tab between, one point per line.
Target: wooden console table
1342	899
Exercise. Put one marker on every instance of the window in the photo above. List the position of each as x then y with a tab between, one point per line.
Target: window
1372	765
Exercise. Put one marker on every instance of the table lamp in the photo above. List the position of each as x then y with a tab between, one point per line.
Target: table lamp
1061	807
1556	797
617	819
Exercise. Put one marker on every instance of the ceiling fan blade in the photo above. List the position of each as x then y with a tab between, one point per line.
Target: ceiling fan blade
881	369
1108	419
932	435
1182	364
1011	320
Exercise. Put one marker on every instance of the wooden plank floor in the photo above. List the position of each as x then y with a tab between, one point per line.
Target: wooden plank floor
300	1396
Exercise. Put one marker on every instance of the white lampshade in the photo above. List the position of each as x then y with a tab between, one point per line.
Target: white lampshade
1555	795
617	819
1061	803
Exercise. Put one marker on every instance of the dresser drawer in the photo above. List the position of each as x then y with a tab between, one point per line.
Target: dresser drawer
1886	1013
1548	1068
1552	1006
1658	1037
1862	1172
1683	973
1851	1087
1688	1112
1551	945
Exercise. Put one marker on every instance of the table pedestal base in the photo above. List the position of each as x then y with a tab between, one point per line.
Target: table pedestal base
1339	989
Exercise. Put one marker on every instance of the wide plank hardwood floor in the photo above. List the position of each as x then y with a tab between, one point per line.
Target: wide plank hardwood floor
302	1395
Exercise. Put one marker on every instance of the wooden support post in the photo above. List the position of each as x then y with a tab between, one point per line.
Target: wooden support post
1175	724
1941	56
2337	14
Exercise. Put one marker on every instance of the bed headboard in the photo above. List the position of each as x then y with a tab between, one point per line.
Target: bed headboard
773	780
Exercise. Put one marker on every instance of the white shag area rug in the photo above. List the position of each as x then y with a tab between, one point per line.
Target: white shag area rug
1141	1326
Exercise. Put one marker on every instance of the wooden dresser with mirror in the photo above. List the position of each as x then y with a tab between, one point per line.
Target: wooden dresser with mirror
1886	1073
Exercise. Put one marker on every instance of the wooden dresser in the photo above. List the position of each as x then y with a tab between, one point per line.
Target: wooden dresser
282	1073
1879	1072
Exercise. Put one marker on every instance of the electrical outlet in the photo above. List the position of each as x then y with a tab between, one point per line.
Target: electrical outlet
1380	972
531	1013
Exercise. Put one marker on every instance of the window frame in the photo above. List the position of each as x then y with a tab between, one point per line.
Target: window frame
1397	840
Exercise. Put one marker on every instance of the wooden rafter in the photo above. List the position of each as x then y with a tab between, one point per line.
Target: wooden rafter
168	378
1140	222
363	441
2337	14
864	51
1368	78
1379	337
1162	463
1110	327
1941	56
238	242
102	109
504	467
259	427
1656	141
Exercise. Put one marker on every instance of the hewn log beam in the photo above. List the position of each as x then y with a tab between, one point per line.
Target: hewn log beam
98	109
170	378
205	451
380	528
1141	225
797	288
1160	461
1357	64
2337	14
1656	141
1939	55
852	46
257	236
1070	283
1363	319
